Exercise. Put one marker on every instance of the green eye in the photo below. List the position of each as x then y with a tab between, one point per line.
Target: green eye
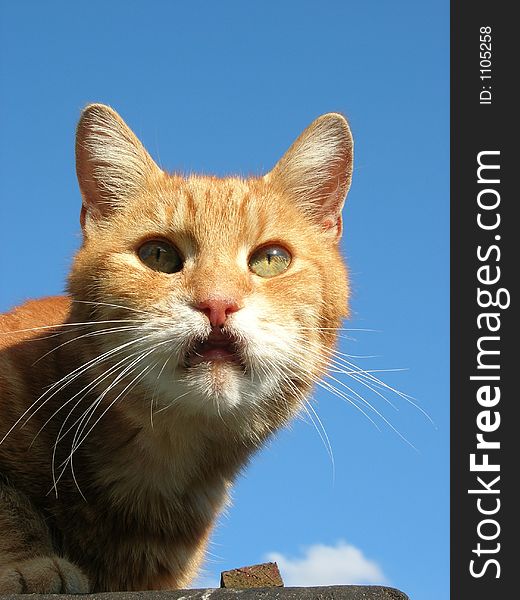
160	256
269	261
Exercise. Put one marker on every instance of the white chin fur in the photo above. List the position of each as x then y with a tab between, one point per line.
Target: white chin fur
211	389
214	388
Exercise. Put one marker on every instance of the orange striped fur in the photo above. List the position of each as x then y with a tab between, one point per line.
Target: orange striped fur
128	406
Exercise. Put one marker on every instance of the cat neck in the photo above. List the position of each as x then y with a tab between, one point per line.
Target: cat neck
163	457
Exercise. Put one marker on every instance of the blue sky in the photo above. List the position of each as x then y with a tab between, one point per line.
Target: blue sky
224	88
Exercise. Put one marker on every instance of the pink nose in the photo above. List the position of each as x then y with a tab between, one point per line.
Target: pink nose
217	310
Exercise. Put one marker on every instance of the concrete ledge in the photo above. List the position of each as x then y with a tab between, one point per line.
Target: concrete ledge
335	592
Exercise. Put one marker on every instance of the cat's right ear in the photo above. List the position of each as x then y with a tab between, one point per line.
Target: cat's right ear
111	163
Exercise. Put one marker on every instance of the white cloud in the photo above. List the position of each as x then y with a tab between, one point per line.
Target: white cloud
328	565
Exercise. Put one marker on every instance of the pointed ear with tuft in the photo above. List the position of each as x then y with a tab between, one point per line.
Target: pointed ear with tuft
316	171
111	163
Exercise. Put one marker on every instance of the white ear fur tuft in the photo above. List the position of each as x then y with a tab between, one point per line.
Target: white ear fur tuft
111	163
316	171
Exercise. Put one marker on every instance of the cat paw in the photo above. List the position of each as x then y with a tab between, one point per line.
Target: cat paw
43	575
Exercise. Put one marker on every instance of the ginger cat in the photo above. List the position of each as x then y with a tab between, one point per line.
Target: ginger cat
200	312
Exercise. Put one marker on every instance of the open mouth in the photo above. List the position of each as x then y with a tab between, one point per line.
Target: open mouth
219	346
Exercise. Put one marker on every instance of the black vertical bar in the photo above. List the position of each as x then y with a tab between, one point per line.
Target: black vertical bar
484	127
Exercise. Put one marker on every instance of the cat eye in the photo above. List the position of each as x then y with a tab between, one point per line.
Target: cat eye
160	256
269	261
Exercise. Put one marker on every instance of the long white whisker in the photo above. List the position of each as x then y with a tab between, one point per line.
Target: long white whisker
333	390
127	389
172	402
80	441
306	405
363	400
79	421
365	377
97	402
67	379
59	385
327	386
326	441
60	325
130	368
156	387
92	384
112	305
96	333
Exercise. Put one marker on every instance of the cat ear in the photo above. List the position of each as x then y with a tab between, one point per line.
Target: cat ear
317	169
111	163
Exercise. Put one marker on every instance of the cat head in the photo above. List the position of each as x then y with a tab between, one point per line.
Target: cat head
224	294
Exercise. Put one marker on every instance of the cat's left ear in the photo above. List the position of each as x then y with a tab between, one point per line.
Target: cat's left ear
316	171
111	163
